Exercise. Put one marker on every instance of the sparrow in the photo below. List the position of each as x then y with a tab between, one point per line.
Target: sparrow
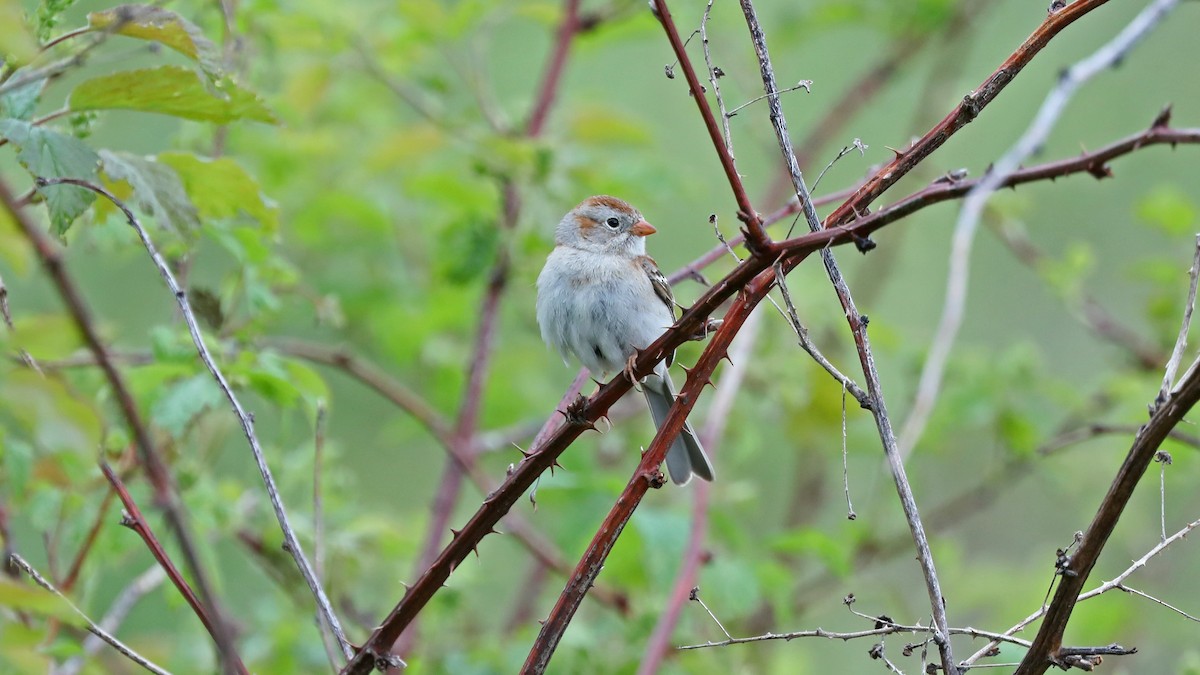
601	299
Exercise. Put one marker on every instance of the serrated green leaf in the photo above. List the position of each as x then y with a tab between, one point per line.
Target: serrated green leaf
22	101
147	22
221	188
184	401
16	41
171	90
49	154
157	188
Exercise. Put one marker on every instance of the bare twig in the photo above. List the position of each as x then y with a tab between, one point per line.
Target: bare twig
1034	137
92	627
1181	341
1116	583
806	85
757	239
889	628
866	358
145	582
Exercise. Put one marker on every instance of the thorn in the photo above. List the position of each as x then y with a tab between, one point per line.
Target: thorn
898	153
687	370
454	533
1164	118
863	244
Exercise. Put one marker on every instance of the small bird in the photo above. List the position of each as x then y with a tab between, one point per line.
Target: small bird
601	298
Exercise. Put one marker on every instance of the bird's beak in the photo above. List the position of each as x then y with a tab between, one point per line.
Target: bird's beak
641	228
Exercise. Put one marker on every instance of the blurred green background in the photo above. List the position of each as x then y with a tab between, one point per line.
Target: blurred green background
376	231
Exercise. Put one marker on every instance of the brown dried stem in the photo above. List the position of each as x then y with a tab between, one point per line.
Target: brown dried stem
134	520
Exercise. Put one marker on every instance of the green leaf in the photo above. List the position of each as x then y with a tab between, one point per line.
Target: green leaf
1169	209
26	597
184	401
157	188
147	22
22	101
17	44
221	188
49	154
171	90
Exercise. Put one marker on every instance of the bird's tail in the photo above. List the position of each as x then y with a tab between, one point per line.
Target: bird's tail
685	458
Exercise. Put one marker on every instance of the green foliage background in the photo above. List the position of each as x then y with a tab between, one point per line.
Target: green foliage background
306	199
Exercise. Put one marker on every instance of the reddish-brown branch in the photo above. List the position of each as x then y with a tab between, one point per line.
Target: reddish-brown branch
963	114
1045	650
137	522
1093	163
757	239
646	475
718	415
548	90
151	461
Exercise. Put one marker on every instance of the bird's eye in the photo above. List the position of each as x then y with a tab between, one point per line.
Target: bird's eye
613	223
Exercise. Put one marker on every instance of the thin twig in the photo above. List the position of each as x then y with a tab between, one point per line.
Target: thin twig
850	514
866	358
1103	588
1181	341
1151	598
291	542
145	582
92	627
807	345
134	520
714	75
889	628
929	384
757	239
806	85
